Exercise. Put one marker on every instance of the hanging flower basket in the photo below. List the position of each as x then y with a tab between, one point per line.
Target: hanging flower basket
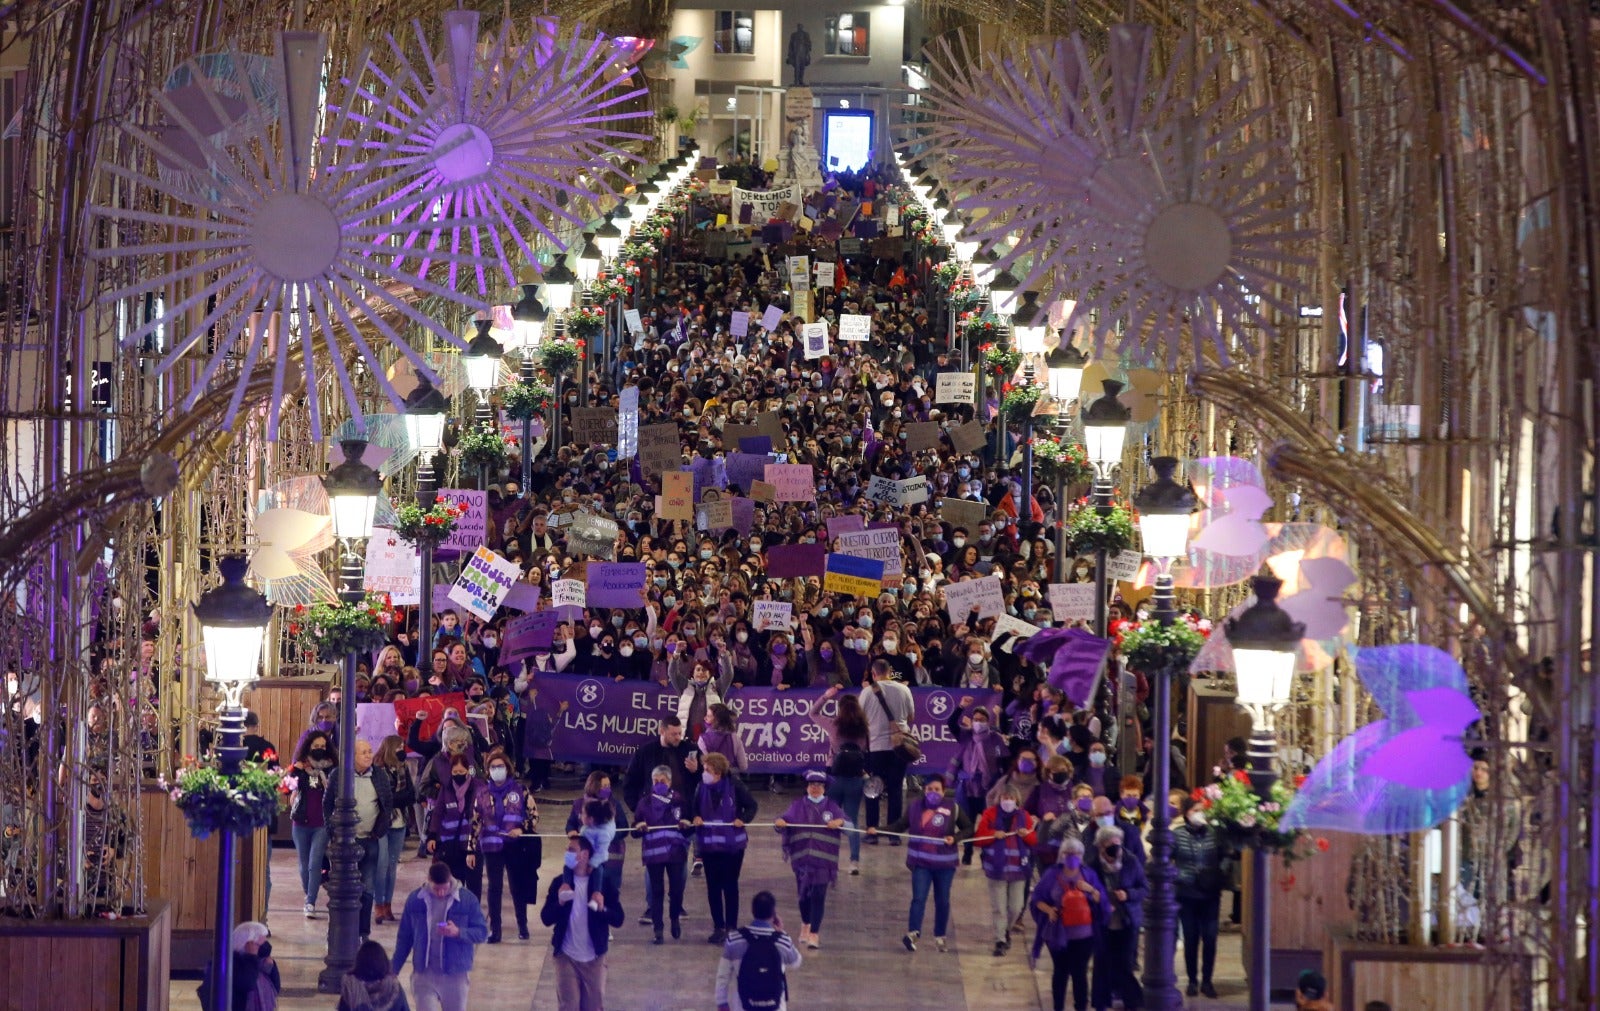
947	273
1088	531
241	803
586	322
332	630
963	296
1003	361
1063	461
1239	812
640	248
559	356
1151	647
482	446
1018	400
604	289
525	400
433	525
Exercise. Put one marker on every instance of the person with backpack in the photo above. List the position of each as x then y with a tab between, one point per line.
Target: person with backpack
1070	909
848	743
756	961
810	830
1005	835
935	825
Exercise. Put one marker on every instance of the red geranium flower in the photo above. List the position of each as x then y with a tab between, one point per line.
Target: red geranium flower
1322	845
1241	775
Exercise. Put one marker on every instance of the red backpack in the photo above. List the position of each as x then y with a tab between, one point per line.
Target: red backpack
1075	911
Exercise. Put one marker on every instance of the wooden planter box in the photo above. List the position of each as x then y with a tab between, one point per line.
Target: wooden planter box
1419	979
1308	902
181	871
106	965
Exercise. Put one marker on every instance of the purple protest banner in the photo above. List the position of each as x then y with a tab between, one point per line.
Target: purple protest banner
744	515
761	444
528	635
846	524
788	561
606	720
616	584
743	469
522	597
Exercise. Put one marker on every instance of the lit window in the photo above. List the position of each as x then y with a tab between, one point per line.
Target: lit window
847	34
736	33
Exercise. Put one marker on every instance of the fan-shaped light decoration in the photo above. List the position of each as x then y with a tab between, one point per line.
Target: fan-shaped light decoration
292	526
449	373
665	57
1405	773
389	449
1119	190
242	98
515	137
298	229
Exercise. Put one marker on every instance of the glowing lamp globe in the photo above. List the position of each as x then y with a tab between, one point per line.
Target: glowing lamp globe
233	625
1264	639
1105	427
1164	509
353	490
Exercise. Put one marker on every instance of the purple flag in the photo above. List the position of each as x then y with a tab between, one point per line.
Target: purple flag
1075	659
787	561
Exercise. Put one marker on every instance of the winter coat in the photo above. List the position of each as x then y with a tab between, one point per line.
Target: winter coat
557	914
463	911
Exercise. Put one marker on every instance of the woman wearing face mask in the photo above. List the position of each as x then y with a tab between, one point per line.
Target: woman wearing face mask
976	672
1070	909
975	766
324	720
855	645
1096	776
1117	953
781	667
935	825
506	813
452	741
698	692
452	834
810	829
308	784
1200	857
633	654
827	668
1006	833
743	652
659	821
849	740
1051	801
721	807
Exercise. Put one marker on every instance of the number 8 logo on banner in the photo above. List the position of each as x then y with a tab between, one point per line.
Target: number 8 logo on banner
939	704
591	694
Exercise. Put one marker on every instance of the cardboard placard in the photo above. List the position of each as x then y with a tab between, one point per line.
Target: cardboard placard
761	491
983	594
800	305
717	515
824	275
955	388
773	615
883	545
733	434
634	322
770	424
898	493
1018	628
660	449
485	580
594	425
962	512
792	481
969	438
569	593
921	435
677	495
745	469
858	577
854	326
1124	565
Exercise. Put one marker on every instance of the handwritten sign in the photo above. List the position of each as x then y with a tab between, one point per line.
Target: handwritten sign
659	448
771	318
1072	601
628	423
982	595
793	481
677	495
1016	627
962	512
393	567
816	337
739	325
593	535
773	615
634	322
619	584
800	305
884	545
472	526
484	582
824	275
569	593
955	388
858	577
922	435
1124	565
593	425
716	515
854	327
898	493
761	491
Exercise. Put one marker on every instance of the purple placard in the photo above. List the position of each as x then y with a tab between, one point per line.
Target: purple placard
743	468
760	444
441	598
606	720
616	584
740	324
788	561
771	317
744	515
522	597
846	524
528	635
374	722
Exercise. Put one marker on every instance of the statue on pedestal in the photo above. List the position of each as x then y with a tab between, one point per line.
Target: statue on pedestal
799	54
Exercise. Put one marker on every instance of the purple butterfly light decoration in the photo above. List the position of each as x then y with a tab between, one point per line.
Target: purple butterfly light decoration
1405	773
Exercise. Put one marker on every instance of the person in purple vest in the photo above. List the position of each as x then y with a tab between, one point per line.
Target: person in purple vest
1070	911
935	824
658	820
505	810
976	764
811	840
1051	801
721	807
1006	833
453	824
1118	950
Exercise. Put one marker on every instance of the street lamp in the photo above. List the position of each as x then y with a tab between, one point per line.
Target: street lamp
608	239
1028	328
559	284
589	262
950	226
1003	293
426	412
233	624
1066	364
984	269
1164	508
1265	641
353	490
530	320
1105	426
482	362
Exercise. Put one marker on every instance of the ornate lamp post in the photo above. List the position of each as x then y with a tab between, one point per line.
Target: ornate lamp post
353	490
1164	508
1265	641
1105	427
426	411
529	321
1002	301
1028	329
608	240
1065	366
482	360
233	624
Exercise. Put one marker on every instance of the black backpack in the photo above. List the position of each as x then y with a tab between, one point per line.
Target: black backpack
762	984
851	761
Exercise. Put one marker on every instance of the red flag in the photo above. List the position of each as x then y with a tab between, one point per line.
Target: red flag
433	706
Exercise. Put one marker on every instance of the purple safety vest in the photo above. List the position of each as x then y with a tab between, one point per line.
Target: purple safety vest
504	808
663	842
718	803
926	847
452	820
1008	859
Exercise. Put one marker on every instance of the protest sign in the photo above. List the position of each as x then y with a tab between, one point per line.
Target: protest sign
1072	601
816	337
522	597
717	514
845	524
793	481
921	435
733	434
659	448
1018	628
744	469
955	388
744	515
961	512
485	580
982	594
591	425
472	526
634	322
441	597
432	707
374	722
615	584
761	491
569	593
527	635
791	561
773	615
800	305
881	489
799	272
677	495
771	318
763	204
761	444
593	535
858	577
884	545
739	325
770	424
393	567
911	490
628	423
1124	565
824	274
968	438
854	327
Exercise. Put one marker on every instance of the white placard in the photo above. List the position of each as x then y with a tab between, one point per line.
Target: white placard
898	493
393	567
800	273
569	593
1072	601
956	388
854	327
763	204
983	594
485	580
882	489
1018	628
891	216
816	337
1124	565
773	615
628	423
635	324
824	274
882	544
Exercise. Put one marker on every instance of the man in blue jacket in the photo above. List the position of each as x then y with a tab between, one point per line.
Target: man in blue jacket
441	922
582	907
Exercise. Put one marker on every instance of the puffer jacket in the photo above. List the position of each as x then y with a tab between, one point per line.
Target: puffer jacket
1199	857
